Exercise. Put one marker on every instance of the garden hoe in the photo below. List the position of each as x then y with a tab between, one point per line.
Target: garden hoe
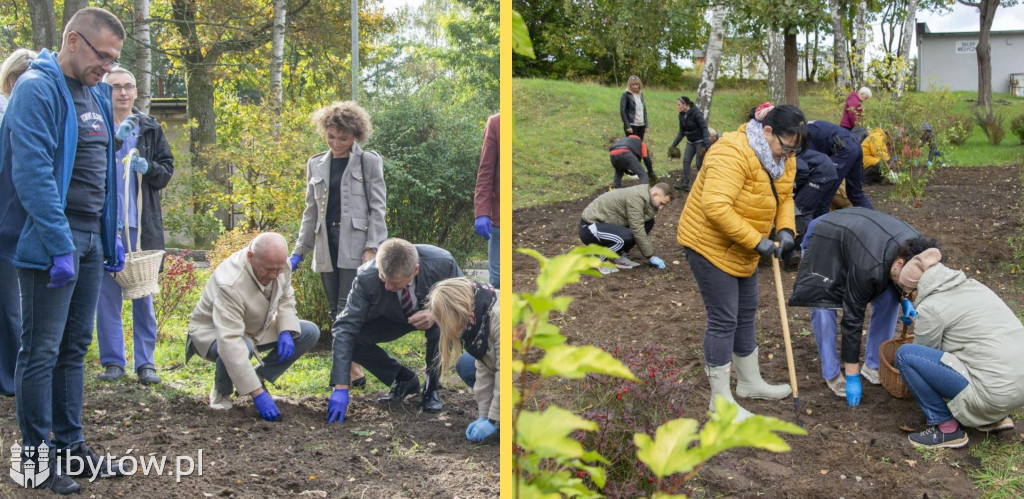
785	336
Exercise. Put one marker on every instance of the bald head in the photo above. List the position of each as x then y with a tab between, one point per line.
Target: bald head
268	255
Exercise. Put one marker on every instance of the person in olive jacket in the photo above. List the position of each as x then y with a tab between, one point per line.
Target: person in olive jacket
623	218
698	138
743	196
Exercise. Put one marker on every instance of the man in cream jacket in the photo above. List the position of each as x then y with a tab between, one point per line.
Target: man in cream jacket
249	305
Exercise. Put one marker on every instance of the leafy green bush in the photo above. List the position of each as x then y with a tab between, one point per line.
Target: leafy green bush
1017	127
992	124
959	129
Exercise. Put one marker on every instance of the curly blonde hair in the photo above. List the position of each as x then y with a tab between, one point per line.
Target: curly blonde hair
346	116
451	304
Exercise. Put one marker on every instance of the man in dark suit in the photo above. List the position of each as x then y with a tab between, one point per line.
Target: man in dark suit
387	302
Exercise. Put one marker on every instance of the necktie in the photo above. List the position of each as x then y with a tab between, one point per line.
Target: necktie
406	298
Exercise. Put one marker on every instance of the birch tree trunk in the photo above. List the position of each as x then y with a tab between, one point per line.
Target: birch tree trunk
908	27
839	47
143	57
776	69
44	25
277	53
860	52
712	58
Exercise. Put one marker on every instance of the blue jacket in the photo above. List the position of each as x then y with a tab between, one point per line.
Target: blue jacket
38	140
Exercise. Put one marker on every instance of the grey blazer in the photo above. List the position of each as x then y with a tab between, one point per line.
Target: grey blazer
363	205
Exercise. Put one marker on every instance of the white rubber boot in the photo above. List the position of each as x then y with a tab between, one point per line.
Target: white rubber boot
719	379
749	383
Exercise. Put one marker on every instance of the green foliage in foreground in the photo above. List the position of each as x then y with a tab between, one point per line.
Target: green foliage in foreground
563	130
547	446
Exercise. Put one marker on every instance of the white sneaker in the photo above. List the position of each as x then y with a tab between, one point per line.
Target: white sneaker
625	263
870	374
1001	425
838	385
219	401
607	270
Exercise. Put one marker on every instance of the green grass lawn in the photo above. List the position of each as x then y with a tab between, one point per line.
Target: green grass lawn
563	130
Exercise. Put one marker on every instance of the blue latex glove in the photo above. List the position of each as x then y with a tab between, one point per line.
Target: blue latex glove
266	406
929	163
938	154
908	313
657	262
337	406
853	389
119	257
62	271
294	261
480	429
127	127
285	346
483	226
140	165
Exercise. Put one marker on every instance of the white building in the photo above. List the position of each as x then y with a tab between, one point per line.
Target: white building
949	60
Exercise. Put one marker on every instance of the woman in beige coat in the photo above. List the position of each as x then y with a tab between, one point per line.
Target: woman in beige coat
346	200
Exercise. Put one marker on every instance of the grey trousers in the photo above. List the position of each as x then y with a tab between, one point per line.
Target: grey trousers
272	367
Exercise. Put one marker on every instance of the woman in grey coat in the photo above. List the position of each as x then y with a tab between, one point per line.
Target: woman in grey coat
964	367
343	223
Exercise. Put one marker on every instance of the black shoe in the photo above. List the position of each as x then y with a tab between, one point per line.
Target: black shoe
147	376
682	186
358	382
83	451
933	437
431	402
114	372
401	389
60	484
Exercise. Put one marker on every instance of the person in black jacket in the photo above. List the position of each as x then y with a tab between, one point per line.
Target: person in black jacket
387	302
154	165
850	258
698	139
633	109
845	151
626	154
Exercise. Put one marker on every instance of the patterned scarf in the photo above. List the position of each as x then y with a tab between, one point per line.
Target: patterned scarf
755	137
476	336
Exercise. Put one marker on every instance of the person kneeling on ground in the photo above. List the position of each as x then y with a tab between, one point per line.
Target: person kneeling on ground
248	305
626	154
964	366
468	314
622	218
846	264
386	303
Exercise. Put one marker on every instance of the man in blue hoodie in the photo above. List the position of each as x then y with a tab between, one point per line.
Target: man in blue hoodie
58	226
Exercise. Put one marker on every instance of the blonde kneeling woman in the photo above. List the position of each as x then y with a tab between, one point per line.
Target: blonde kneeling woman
467	313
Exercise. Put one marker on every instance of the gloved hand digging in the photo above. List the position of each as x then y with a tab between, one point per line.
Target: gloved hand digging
908	314
337	405
285	345
266	406
657	262
482	224
786	242
62	271
853	389
480	429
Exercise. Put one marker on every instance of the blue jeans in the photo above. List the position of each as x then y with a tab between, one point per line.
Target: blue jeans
731	304
109	330
930	381
466	367
884	311
273	367
10	325
56	330
494	257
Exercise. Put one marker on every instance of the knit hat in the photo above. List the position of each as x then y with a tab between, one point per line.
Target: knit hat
762	111
915	268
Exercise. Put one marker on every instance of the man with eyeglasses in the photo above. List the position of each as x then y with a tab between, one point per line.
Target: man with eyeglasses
387	302
155	164
844	150
58	226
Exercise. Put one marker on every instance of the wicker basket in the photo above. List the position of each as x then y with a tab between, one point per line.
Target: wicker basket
887	372
140	276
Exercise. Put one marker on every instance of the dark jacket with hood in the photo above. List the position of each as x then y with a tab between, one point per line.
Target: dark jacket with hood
693	127
846	266
153	147
42	126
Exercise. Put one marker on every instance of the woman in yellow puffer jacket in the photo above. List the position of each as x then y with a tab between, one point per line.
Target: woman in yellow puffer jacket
744	190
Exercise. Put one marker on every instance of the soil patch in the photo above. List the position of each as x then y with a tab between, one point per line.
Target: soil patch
853	452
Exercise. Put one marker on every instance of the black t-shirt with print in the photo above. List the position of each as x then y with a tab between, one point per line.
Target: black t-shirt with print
88	187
